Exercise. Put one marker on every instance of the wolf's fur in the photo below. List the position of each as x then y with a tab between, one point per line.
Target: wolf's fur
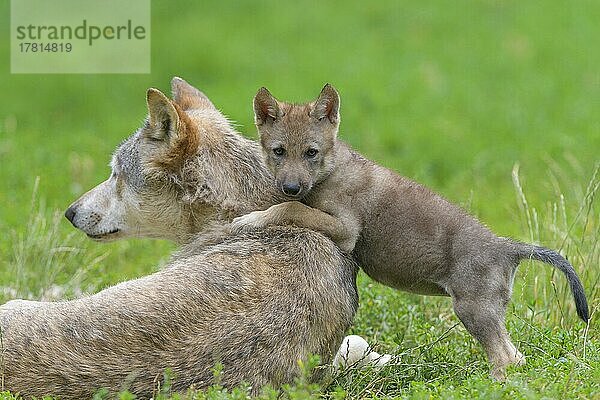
257	303
185	167
401	233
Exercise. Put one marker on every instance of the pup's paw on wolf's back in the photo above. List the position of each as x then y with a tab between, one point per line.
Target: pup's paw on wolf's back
249	222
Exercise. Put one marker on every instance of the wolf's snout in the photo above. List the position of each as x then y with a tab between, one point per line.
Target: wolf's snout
70	214
291	189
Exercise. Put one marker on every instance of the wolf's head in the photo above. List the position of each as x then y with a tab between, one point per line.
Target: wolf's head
298	140
183	168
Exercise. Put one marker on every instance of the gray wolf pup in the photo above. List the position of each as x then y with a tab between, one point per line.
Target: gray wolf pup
257	303
401	233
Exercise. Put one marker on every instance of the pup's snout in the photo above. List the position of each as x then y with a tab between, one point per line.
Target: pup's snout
291	189
70	214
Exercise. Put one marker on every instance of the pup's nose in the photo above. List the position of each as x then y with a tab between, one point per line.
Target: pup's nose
70	214
291	189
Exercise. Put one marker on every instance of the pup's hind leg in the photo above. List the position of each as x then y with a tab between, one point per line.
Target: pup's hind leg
482	313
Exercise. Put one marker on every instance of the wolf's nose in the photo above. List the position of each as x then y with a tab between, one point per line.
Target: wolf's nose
291	189
70	214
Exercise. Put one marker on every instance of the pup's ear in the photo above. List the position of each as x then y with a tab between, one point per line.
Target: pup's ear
171	126
266	108
163	116
327	105
188	97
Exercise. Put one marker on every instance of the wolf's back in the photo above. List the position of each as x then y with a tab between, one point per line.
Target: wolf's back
256	303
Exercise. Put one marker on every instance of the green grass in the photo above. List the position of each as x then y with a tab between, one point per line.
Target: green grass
452	94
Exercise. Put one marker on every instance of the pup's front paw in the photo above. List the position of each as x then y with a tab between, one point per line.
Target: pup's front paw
248	222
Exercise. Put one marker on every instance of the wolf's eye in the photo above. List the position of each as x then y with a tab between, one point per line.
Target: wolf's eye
279	151
311	153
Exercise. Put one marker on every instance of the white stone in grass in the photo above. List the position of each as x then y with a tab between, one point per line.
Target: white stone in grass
355	351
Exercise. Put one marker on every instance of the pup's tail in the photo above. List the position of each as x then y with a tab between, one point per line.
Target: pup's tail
532	252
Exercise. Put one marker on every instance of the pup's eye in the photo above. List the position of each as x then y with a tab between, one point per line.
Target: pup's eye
311	152
279	151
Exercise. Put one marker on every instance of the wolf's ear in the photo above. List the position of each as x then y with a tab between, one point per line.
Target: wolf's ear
266	108
327	105
171	126
163	116
188	97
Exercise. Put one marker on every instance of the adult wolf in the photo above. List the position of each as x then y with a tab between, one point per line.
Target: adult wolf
257	303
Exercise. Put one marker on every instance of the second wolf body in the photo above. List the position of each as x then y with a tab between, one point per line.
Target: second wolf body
401	233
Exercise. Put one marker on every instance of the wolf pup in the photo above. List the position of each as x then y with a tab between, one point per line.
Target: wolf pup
401	233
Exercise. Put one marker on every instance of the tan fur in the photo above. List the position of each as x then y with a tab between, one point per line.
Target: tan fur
401	233
258	303
163	192
184	143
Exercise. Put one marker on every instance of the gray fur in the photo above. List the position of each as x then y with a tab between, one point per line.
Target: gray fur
257	303
527	251
401	233
158	190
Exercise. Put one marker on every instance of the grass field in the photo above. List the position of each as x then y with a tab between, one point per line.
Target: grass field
453	94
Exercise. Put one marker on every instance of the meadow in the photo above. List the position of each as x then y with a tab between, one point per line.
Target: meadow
494	104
